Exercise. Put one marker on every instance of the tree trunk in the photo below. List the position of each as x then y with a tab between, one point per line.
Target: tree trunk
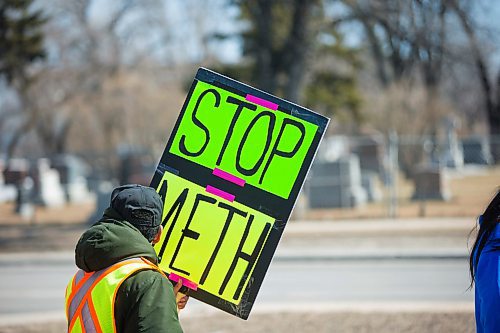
14	142
30	114
61	139
266	72
492	106
494	120
296	49
378	55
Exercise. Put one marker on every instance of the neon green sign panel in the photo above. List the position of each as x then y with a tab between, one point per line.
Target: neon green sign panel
208	240
266	148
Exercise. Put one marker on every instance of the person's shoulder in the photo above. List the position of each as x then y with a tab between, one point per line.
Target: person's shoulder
491	250
496	232
146	278
493	241
146	299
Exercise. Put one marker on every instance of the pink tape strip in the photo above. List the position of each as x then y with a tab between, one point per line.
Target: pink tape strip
185	282
219	193
229	177
261	102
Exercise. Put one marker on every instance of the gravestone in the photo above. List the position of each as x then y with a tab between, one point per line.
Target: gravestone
452	155
333	147
369	183
17	169
73	172
336	184
8	193
24	199
370	150
476	150
431	184
50	191
102	192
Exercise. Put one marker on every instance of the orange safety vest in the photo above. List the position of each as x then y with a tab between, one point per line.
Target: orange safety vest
90	297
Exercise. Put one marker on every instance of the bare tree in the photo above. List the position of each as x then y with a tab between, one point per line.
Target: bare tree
92	56
21	45
282	38
292	48
490	87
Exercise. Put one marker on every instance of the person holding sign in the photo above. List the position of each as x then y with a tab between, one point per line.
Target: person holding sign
119	287
485	269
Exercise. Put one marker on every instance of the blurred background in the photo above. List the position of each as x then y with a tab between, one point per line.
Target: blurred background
90	91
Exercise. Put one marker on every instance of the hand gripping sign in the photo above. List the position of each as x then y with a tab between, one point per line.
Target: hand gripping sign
229	178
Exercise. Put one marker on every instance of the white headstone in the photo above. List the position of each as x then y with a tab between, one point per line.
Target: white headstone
369	183
452	155
333	147
73	171
51	192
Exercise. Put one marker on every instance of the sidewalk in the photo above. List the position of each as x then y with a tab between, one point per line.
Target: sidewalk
377	226
376	239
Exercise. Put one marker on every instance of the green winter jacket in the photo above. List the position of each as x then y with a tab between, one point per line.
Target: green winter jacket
145	302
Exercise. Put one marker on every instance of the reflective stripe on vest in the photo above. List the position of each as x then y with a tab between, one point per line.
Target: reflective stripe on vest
90	297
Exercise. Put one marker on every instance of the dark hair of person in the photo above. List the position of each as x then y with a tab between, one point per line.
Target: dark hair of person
487	223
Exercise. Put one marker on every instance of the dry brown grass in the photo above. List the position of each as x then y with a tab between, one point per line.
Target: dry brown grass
67	214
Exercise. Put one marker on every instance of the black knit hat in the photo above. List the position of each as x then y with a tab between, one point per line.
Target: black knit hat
139	205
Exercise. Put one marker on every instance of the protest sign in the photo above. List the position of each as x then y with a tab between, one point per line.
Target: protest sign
229	178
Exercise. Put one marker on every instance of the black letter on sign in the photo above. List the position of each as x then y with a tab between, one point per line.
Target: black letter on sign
163	190
241	104
177	207
230	214
250	258
197	122
272	121
289	154
188	232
